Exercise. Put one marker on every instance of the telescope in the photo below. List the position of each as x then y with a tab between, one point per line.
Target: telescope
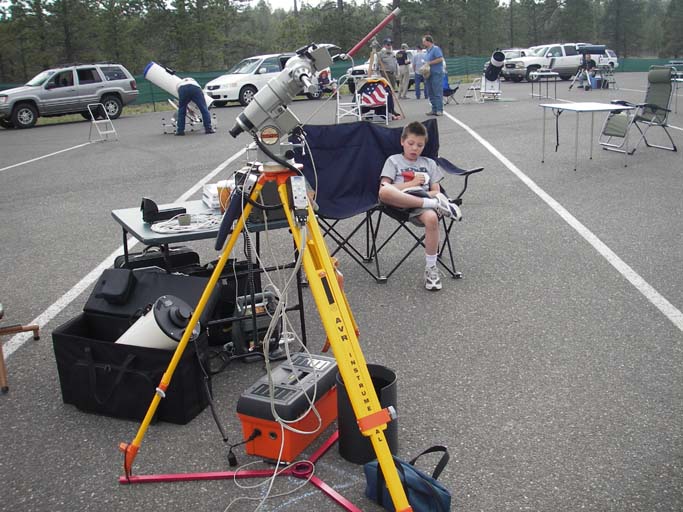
494	66
269	105
591	49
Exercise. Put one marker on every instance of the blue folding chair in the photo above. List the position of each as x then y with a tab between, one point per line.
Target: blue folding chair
344	163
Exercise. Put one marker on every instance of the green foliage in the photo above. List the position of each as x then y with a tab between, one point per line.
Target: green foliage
210	35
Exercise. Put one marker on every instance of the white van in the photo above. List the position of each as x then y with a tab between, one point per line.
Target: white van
246	78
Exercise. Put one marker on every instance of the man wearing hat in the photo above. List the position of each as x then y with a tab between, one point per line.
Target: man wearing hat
403	61
387	63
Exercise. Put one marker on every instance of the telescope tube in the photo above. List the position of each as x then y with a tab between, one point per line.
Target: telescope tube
164	80
379	27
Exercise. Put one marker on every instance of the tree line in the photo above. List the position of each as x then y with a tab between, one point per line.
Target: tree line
208	35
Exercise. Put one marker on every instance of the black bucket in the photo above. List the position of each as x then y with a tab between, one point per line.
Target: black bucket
353	445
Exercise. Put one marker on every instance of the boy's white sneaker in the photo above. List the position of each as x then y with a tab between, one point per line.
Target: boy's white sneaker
432	278
446	208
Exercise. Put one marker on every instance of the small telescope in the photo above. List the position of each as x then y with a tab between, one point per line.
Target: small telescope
494	66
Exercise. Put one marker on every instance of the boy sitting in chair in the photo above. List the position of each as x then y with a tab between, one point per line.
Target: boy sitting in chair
411	182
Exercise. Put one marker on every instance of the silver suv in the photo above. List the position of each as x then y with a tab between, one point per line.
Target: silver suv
68	90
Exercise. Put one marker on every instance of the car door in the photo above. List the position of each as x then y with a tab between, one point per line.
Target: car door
567	63
59	93
88	86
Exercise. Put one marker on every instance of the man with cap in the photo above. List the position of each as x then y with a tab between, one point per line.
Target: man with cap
387	63
403	61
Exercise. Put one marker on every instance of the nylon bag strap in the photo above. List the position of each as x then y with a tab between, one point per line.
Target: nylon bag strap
441	465
93	375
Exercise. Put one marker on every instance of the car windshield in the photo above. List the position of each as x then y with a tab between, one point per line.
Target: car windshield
512	54
244	67
540	51
40	78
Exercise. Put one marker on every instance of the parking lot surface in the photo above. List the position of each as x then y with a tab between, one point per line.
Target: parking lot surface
552	371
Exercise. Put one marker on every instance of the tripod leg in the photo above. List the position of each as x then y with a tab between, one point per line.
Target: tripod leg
131	450
340	328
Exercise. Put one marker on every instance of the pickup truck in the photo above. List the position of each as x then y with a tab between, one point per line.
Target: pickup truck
566	61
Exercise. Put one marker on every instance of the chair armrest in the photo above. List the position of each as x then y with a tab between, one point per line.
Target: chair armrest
624	103
450	168
652	106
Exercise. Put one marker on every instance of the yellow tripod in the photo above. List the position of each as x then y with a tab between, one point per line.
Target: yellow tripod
337	320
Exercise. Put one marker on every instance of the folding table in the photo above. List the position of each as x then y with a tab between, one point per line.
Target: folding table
579	108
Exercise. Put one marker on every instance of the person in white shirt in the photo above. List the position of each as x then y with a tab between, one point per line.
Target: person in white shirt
190	91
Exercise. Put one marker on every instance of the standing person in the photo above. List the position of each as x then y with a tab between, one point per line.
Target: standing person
388	66
434	58
418	61
190	91
403	61
409	173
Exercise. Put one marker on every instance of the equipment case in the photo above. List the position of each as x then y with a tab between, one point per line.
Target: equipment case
98	375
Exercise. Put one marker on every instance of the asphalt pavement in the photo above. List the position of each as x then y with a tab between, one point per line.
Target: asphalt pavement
552	370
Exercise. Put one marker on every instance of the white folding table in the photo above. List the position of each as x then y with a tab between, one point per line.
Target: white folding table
579	108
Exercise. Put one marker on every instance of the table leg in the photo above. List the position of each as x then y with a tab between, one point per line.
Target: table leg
592	122
543	145
576	142
125	246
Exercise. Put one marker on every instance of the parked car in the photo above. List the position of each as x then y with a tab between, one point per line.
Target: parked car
362	70
68	90
564	56
247	77
609	59
512	53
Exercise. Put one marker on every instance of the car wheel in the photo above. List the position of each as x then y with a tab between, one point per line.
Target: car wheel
6	123
314	96
113	106
517	79
247	94
219	104
611	64
24	115
530	70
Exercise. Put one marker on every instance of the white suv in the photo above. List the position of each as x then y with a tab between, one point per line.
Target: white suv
246	78
609	59
564	57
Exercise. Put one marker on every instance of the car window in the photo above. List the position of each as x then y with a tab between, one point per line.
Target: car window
555	51
610	53
271	65
511	54
61	79
113	73
540	51
570	49
40	78
283	60
244	67
88	76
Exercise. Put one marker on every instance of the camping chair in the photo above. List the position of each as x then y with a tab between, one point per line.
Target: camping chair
653	112
449	91
375	100
344	163
12	329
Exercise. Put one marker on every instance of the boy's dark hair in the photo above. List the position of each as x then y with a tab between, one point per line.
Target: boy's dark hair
414	128
429	38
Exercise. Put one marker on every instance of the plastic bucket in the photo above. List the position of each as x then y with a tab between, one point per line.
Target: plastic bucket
354	446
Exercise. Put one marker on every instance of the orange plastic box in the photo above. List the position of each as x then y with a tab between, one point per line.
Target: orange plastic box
305	376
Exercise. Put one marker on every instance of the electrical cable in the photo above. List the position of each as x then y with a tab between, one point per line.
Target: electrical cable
181	224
